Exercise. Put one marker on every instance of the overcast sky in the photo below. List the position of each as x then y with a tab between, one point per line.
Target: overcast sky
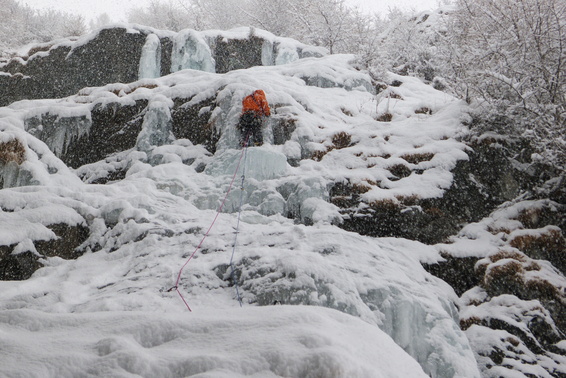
116	9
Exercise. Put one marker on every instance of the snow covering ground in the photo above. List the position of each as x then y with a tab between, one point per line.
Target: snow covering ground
363	307
283	341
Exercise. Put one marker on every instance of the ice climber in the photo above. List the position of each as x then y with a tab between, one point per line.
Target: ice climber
254	109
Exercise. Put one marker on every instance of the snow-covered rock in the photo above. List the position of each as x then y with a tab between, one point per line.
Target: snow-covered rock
153	172
126	53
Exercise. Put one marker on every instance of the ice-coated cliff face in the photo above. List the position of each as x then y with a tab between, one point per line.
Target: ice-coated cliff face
157	174
151	214
190	51
150	60
131	52
156	126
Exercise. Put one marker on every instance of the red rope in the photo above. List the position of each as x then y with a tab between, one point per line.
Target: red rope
176	287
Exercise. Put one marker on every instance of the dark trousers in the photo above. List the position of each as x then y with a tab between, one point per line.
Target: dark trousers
250	127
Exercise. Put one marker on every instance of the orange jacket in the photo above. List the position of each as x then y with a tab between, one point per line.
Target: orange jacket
256	102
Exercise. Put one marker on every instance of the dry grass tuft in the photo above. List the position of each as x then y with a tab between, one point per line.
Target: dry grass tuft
467	323
394	95
502	254
12	150
347	112
372	182
509	274
411	200
532	266
146	86
319	154
549	241
360	188
434	211
380	87
481	267
385	204
513	341
497	230
341	140
385	117
417	158
543	289
423	110
400	170
36	49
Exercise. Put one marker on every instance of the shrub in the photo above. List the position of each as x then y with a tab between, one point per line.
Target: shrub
467	323
552	240
319	154
341	140
385	117
400	170
423	110
12	150
418	157
502	254
385	204
504	278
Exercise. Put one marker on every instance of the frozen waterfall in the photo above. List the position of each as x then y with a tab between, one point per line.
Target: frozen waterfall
267	58
150	61
156	127
286	54
260	163
190	51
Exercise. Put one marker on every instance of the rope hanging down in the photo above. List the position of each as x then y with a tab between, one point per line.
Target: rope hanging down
238	226
176	287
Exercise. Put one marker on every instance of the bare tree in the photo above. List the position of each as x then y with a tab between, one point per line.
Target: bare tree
168	15
512	56
328	23
21	25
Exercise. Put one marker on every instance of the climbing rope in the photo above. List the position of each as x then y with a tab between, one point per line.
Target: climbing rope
176	287
238	227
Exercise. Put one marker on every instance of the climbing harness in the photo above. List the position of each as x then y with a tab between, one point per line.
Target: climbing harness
176	287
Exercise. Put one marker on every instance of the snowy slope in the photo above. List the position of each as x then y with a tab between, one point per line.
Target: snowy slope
110	312
215	342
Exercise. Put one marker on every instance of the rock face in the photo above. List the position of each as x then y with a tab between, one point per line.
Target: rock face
517	290
237	54
111	129
113	56
480	184
21	265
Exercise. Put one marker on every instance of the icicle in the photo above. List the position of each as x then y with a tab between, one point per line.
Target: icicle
190	51
150	61
267	58
156	127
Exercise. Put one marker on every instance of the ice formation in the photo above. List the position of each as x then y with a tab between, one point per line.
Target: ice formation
259	163
143	226
190	51
267	57
64	126
150	61
156	127
285	54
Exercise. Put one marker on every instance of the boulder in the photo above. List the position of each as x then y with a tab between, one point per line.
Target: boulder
111	56
21	265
